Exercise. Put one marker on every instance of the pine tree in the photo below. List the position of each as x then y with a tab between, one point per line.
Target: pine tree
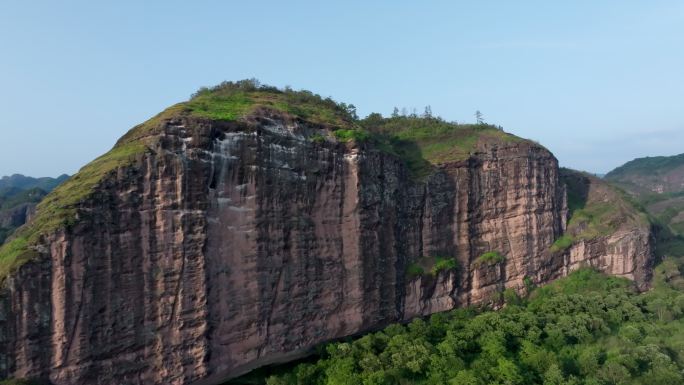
479	117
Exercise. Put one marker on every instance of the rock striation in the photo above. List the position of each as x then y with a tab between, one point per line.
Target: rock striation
608	232
230	244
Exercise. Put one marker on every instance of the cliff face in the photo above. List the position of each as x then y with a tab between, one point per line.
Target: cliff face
606	230
626	253
230	245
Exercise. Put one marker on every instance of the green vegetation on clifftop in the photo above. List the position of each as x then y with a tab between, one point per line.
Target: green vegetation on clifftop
421	142
595	209
233	100
426	141
227	101
58	209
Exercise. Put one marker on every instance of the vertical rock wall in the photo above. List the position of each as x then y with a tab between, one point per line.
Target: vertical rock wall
229	246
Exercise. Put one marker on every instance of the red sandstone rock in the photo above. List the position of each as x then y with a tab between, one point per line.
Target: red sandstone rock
233	245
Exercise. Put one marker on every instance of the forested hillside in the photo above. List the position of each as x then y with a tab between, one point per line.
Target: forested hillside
587	328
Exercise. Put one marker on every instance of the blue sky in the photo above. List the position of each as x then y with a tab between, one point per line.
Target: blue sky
596	82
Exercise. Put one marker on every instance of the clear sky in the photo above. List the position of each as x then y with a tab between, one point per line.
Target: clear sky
596	82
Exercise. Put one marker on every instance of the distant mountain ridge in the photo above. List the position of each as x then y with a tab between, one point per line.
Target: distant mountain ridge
23	182
649	163
658	174
657	183
19	195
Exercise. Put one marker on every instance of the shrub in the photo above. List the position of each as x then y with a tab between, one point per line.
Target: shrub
562	243
443	264
345	135
489	258
430	266
529	284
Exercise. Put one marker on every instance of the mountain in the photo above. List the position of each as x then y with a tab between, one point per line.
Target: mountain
650	175
658	184
19	195
248	225
602	221
23	182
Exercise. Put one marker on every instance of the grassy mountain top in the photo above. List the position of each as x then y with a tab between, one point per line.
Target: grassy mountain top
426	141
227	101
420	141
231	101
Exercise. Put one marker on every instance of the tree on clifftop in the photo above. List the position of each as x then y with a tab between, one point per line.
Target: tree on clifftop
479	117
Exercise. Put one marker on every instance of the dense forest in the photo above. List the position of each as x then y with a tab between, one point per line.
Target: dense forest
587	328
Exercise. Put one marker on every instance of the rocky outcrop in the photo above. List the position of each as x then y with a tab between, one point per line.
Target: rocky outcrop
609	233
17	215
626	253
230	245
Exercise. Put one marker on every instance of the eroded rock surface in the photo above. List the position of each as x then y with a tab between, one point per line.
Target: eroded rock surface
227	246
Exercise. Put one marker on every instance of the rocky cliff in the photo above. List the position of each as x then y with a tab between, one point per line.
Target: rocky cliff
605	230
246	226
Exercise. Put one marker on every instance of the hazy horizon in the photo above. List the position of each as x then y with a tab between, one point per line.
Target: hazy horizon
597	84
